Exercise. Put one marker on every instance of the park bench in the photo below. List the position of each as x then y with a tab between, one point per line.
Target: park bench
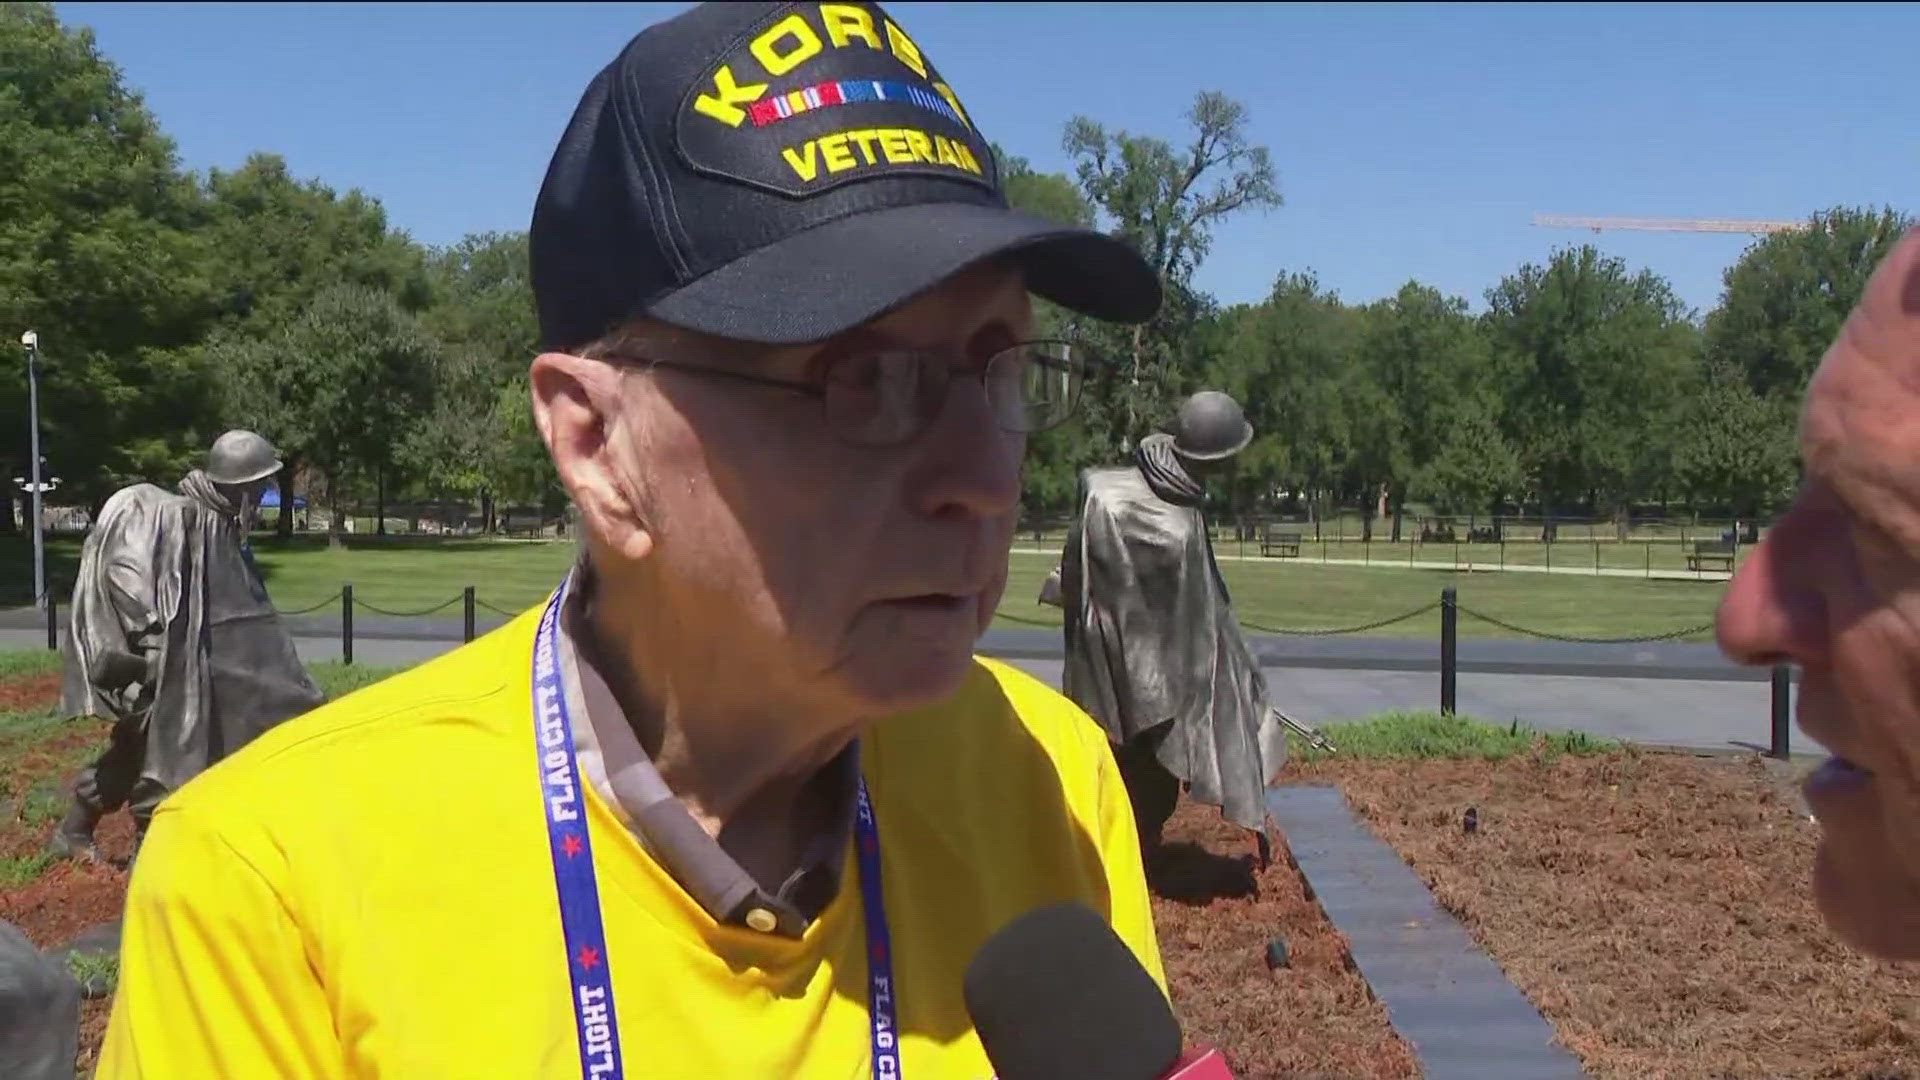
1718	552
1485	534
1286	543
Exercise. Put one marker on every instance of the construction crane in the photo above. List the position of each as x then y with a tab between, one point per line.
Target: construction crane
1669	224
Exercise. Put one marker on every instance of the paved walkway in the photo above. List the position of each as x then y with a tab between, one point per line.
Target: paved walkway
1695	714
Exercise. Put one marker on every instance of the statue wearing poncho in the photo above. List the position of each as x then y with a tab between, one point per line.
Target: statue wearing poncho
172	638
1152	648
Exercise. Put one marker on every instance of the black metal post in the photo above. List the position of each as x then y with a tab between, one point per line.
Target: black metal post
1782	710
1449	625
346	624
53	621
467	599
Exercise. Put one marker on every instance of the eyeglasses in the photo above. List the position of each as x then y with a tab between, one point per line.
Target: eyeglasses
888	397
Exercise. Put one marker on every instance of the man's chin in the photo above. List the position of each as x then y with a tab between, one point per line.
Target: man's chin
1873	908
914	679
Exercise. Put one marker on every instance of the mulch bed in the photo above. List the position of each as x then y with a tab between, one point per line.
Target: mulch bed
29	691
1655	907
69	897
1215	911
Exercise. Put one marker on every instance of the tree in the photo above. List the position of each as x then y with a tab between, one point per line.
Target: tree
98	256
1166	203
483	315
342	388
1054	458
1475	464
1789	293
1286	361
1737	448
282	241
280	244
1047	195
1599	358
522	469
1426	356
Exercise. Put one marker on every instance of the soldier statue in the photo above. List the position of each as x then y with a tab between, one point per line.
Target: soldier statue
173	639
1152	648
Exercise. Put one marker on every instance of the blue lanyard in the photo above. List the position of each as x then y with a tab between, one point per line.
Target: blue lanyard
573	879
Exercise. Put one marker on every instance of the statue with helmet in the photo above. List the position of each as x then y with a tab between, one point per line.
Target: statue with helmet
1153	652
172	638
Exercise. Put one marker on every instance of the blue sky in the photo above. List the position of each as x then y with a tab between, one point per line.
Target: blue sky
1411	141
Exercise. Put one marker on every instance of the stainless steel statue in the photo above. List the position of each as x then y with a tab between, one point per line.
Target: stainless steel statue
172	637
1152	648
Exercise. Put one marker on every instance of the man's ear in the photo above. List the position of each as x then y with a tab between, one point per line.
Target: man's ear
576	404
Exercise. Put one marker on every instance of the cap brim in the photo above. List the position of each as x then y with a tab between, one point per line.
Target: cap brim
833	277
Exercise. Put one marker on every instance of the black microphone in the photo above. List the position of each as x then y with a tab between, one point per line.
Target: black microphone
1057	995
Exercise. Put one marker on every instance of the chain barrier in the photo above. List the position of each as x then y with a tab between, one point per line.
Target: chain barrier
1332	631
328	602
357	602
1339	630
406	614
1637	640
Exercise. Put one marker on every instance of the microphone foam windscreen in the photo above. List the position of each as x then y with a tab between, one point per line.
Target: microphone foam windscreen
1057	995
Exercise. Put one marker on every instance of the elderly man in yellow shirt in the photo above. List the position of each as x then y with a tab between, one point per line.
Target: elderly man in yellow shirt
738	800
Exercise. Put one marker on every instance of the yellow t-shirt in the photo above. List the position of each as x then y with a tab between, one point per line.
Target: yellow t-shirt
367	891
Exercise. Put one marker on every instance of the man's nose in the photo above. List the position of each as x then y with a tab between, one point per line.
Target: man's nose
967	464
1773	611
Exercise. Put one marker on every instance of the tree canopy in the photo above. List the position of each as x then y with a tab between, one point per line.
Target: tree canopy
173	304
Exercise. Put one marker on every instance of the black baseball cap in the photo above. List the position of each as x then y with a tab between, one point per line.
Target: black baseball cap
780	173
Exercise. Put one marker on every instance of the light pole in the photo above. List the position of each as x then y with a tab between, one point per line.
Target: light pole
32	342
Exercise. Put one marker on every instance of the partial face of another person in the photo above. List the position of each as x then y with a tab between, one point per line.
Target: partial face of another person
1835	589
835	559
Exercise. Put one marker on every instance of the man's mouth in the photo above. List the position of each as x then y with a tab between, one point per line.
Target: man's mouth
934	601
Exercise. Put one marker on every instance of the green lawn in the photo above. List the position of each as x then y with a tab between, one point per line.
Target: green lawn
396	576
1402	736
1288	595
409	576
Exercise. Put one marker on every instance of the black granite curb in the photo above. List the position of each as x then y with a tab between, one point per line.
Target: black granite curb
1463	1017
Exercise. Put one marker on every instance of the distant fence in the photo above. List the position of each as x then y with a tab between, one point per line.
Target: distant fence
1678	556
1448	605
1350	527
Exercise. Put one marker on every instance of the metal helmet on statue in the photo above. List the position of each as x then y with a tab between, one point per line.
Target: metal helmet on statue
1210	427
241	457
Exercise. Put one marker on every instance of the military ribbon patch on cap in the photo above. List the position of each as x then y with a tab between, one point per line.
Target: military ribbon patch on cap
827	94
847	92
